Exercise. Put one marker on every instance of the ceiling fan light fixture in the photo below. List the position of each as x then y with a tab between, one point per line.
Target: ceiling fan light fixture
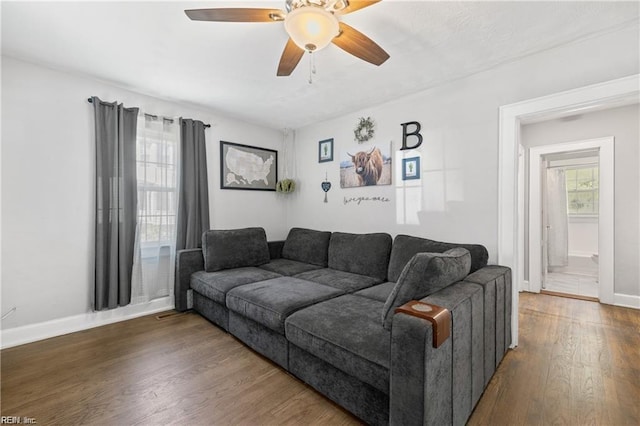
311	28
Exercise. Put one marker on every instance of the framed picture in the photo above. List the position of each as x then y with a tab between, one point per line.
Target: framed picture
411	168
247	167
325	151
365	166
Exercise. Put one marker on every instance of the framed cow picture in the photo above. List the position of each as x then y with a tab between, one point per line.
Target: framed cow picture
370	166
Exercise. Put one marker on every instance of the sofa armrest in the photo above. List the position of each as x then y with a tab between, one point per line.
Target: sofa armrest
187	262
420	375
439	317
497	287
440	385
275	249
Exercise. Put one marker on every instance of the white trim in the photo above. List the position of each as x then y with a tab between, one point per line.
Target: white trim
509	225
626	300
605	208
44	330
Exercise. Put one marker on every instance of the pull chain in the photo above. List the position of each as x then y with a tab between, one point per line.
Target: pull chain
312	66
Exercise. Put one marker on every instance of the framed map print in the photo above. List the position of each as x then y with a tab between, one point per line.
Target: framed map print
247	167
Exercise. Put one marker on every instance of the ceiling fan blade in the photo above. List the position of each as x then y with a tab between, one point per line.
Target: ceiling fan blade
290	58
353	41
236	15
357	5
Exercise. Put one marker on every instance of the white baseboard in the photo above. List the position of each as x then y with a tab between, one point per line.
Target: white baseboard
626	300
524	286
45	330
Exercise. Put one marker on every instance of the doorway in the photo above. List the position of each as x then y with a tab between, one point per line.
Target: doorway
571	218
623	91
570	222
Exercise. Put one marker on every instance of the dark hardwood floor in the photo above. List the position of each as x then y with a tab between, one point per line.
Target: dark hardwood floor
578	363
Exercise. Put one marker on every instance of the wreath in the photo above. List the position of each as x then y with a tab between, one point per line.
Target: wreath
364	130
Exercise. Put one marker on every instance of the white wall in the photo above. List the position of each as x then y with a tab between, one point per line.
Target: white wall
623	124
583	236
47	167
47	186
457	198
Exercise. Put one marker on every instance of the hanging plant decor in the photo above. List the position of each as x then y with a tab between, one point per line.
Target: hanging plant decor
364	130
286	186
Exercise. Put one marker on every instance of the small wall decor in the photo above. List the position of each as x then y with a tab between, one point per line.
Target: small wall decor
326	186
286	186
247	167
365	168
416	132
358	200
325	151
411	168
364	130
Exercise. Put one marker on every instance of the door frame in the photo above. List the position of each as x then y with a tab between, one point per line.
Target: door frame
605	147
623	91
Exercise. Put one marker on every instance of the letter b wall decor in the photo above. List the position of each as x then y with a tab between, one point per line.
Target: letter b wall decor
406	134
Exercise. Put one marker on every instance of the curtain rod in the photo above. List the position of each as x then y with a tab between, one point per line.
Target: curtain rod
90	100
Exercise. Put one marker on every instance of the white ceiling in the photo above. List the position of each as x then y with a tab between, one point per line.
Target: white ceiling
153	48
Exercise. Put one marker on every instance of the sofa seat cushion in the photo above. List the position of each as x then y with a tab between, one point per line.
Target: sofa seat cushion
307	246
378	292
215	285
406	246
345	332
363	254
234	248
288	267
270	302
346	281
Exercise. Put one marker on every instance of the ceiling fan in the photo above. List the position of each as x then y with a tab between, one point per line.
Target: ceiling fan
311	25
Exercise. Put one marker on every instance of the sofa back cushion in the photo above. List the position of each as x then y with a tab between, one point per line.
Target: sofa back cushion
234	248
424	274
405	247
308	246
364	254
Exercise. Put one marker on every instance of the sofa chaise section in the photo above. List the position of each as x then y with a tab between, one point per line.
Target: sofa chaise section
257	312
351	335
210	289
340	348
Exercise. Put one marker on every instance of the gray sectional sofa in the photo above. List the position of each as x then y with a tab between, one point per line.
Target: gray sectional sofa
323	306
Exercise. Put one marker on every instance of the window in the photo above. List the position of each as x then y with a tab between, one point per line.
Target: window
582	190
157	144
157	156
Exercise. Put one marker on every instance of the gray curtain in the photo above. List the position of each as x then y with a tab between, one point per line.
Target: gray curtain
193	204
116	202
